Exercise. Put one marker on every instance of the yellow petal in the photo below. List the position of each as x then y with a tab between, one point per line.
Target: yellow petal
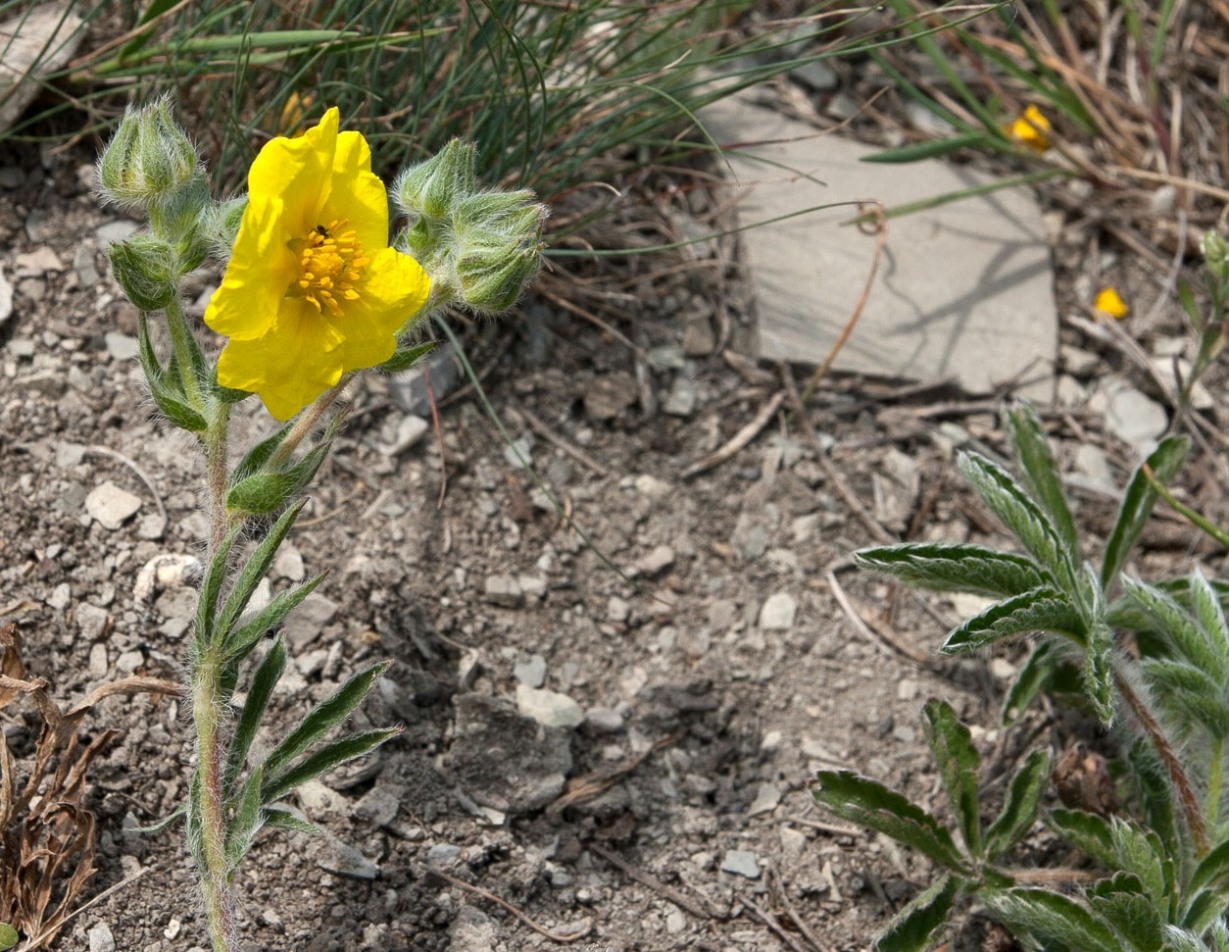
1109	302
298	171
393	291
260	269
356	195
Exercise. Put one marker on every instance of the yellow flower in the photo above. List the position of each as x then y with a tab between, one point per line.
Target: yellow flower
312	289
1110	303
1031	129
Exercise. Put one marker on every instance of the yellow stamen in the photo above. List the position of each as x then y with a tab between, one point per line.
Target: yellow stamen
331	262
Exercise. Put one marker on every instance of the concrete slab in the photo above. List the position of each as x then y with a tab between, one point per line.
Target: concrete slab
963	291
33	44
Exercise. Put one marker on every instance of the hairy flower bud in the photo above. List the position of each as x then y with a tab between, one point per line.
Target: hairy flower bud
491	278
147	269
432	188
149	159
1216	253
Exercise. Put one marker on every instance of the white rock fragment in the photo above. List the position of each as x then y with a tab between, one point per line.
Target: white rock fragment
531	673
98	660
101	939
110	506
504	591
6	297
1135	418
778	612
661	558
169	570
548	708
652	487
35	264
741	863
121	346
767	796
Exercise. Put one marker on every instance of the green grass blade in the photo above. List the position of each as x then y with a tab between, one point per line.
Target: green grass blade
1137	504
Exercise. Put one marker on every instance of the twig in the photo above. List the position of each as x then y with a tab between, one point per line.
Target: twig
783	896
580	930
544	431
655	884
827	827
772	924
141	474
873	634
739	440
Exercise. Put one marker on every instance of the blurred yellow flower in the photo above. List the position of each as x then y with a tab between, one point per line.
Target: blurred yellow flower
1031	129
1110	303
312	289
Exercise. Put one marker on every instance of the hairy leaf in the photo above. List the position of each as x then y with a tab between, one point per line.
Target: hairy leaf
911	928
263	682
1155	795
1017	510
283	819
957	760
247	636
1098	668
406	357
1040	610
1121	901
211	588
321	719
1041	473
326	758
246	822
1020	808
253	571
1037	675
1182	630
1137	503
1088	832
1051	918
956	568
1212	871
872	805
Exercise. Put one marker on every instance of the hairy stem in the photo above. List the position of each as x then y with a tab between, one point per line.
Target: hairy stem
306	422
1173	766
207	712
1216	770
182	344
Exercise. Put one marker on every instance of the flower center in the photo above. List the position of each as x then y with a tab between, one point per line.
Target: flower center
331	261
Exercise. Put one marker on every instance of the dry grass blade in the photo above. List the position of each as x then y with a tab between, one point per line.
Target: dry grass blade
46	829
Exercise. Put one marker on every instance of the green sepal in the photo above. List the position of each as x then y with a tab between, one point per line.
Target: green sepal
246	821
956	568
1051	918
265	492
1040	472
1121	901
1156	796
406	357
268	672
1025	519
1040	610
1099	668
240	643
957	760
321	719
326	758
1138	501
227	394
872	805
165	386
285	820
1019	811
911	929
252	572
254	460
1202	908
1212	871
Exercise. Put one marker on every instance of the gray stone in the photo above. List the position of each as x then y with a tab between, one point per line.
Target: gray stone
309	619
816	74
288	564
98	660
61	597
121	346
37	41
6	297
767	796
652	487
506	761
110	506
1134	418
741	863
317	799
101	939
443	855
661	558
91	621
778	611
676	922
410	430
604	720
504	591
129	662
682	398
1093	468
532	672
35	264
83	264
548	708
342	858
948	297
472	931
114	231
380	804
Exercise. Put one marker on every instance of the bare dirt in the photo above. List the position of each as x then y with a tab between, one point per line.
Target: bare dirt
693	621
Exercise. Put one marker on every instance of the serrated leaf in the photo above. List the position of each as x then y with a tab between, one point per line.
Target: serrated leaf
1137	504
1005	497
1212	871
325	759
268	672
1019	811
246	822
1139	852
911	928
957	760
406	357
1051	918
286	820
956	568
872	805
1180	627
915	152
240	643
1121	901
1040	610
1088	832
1155	795
1098	669
253	571
1040	473
321	719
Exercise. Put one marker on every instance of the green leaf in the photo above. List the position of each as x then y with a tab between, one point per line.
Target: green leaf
1137	503
1212	871
1019	811
931	149
1202	908
957	760
1035	676
211	587
1098	668
9	936
1051	918
1155	795
406	357
1041	473
160	826
321	719
911	928
1180	627
1139	852
285	820
1183	940
326	758
872	805
1022	516
240	643
1210	613
253	571
262	493
263	682
956	568
246	822
1087	832
1120	900
1040	610
254	460
169	398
